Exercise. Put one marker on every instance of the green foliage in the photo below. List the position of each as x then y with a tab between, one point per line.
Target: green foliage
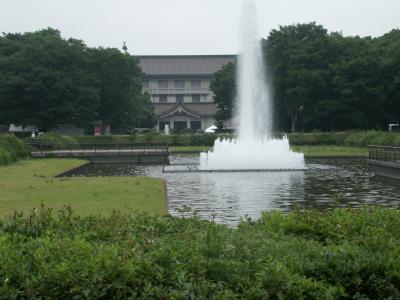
330	82
122	103
337	254
298	57
224	89
47	80
55	138
324	80
5	157
157	137
346	138
11	149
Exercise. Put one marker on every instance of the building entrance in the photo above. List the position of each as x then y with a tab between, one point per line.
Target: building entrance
179	125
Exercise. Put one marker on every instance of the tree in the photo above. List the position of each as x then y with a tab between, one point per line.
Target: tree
297	57
224	89
43	81
333	82
46	80
388	47
119	85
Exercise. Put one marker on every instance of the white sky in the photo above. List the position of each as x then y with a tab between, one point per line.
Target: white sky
189	26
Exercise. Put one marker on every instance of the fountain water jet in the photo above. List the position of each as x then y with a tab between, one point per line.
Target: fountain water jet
255	147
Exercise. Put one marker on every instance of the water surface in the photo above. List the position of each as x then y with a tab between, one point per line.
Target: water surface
229	196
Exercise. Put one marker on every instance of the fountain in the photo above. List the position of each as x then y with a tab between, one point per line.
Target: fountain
255	147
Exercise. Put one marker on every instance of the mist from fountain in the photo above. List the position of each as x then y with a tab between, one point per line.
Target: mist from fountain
254	147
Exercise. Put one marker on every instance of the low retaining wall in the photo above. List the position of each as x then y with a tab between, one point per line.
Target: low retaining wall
135	159
385	168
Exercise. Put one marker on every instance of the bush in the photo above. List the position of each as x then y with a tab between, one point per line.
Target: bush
342	253
5	157
56	139
180	139
12	149
348	138
318	138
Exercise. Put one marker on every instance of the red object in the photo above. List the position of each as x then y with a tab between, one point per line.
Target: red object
97	130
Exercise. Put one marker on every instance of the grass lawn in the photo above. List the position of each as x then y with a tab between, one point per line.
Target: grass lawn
314	151
330	150
26	184
188	149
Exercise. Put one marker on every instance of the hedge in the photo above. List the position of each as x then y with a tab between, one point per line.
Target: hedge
54	138
337	254
347	138
173	139
11	149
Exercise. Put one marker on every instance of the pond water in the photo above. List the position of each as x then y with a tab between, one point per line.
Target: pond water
227	197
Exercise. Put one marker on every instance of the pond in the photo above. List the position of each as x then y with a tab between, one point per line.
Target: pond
227	197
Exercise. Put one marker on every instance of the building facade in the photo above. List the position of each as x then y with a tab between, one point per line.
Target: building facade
179	88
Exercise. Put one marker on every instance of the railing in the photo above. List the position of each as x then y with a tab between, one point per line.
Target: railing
384	153
148	147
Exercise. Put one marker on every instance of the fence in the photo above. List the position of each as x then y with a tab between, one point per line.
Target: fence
49	148
384	153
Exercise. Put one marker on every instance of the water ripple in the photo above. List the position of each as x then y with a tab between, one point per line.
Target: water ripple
229	196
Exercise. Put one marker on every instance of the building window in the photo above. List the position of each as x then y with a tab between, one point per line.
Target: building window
163	84
195	98
179	84
162	99
179	125
145	84
195	84
195	125
179	98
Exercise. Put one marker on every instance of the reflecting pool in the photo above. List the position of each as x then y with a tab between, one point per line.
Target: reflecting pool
227	197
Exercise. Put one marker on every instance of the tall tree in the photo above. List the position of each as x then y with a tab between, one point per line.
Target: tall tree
119	85
224	89
297	56
43	80
46	80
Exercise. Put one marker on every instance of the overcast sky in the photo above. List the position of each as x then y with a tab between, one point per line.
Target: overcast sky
189	26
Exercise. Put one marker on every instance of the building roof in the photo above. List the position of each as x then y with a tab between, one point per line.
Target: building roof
201	109
183	65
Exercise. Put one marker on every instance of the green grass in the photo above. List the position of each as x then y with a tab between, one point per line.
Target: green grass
309	151
331	150
28	183
188	149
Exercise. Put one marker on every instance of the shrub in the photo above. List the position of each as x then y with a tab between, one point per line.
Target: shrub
384	138
56	139
12	148
341	253
348	138
5	157
396	140
186	131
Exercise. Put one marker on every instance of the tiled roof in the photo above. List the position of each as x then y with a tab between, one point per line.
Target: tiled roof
183	64
202	109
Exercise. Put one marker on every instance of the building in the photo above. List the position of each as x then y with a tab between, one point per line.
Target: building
179	88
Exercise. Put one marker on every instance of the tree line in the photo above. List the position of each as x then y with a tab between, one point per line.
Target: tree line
47	80
324	81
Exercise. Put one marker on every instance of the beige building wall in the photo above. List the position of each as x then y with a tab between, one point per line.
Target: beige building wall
153	88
